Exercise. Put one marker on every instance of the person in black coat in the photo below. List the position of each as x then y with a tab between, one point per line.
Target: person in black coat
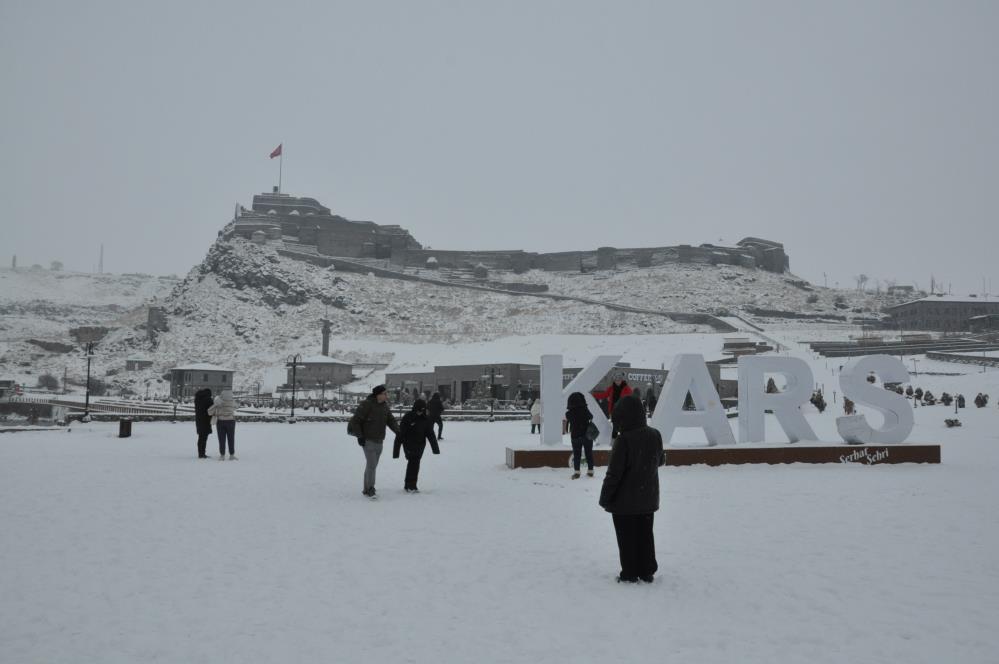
631	490
577	420
435	408
202	420
415	431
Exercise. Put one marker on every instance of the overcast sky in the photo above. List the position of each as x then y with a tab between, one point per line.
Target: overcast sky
862	135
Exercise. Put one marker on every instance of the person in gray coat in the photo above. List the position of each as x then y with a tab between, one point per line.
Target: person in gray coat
631	490
224	411
368	424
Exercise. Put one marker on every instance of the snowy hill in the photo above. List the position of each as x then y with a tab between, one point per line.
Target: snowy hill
248	306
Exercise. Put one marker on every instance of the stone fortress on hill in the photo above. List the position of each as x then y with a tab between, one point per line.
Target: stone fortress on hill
306	228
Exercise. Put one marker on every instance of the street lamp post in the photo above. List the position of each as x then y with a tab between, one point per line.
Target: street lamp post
86	402
294	372
492	376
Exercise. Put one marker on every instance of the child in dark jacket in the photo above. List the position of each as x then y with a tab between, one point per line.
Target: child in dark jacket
577	420
415	431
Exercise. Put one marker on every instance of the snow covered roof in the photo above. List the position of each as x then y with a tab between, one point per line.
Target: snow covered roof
321	359
961	299
201	366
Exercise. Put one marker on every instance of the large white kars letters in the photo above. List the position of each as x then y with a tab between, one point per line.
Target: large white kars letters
688	373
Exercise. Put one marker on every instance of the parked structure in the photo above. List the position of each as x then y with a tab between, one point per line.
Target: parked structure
137	364
186	380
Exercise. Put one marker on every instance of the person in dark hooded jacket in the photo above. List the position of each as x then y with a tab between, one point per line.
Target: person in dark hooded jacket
435	408
577	420
202	420
631	490
415	431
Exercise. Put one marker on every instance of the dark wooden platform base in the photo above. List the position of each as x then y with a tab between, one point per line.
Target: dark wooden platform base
558	457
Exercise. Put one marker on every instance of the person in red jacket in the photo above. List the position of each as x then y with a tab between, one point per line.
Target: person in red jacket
617	390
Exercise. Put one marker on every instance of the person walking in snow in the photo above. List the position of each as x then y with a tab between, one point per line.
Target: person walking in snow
617	390
415	431
202	419
224	410
435	409
630	491
536	416
368	425
577	420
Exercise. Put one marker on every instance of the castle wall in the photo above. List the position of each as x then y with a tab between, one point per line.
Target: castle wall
310	223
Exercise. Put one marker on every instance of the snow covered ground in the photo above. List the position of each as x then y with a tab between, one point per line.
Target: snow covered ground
131	550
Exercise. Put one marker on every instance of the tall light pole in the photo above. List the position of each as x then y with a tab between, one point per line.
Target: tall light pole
492	376
86	403
294	359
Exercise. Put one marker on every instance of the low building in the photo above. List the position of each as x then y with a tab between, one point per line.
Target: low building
946	313
318	371
461	382
510	381
186	380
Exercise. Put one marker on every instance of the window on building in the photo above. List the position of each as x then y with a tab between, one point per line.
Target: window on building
204	378
224	377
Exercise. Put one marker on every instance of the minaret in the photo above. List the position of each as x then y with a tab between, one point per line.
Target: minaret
327	327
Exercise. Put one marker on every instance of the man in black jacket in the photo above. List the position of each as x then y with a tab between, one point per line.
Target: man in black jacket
415	432
631	490
368	424
202	420
435	409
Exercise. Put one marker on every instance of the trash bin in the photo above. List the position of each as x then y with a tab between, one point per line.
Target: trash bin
124	428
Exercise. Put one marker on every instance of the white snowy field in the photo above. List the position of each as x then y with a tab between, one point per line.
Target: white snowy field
131	550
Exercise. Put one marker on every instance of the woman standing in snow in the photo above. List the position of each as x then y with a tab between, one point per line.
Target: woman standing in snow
536	416
577	421
631	490
224	410
203	419
415	431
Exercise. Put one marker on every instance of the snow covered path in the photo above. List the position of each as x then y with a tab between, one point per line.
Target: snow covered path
131	550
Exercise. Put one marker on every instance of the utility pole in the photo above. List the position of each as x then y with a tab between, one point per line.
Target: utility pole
100	264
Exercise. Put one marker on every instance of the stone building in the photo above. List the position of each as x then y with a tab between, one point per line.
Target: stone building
319	370
137	363
302	220
947	313
188	379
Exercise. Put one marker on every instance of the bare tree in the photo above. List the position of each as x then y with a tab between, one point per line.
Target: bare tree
861	280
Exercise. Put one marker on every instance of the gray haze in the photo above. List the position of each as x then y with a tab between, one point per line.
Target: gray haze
863	135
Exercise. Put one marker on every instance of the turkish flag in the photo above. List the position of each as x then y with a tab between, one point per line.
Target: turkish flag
277	151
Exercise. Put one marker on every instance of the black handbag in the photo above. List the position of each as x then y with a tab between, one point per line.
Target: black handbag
592	432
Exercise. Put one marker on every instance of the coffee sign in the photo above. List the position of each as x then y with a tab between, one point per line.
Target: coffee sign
689	373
